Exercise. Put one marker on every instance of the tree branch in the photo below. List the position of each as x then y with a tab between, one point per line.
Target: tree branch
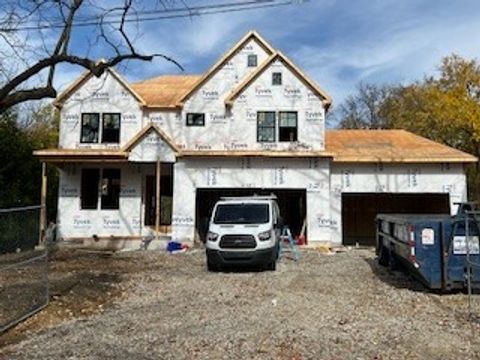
17	86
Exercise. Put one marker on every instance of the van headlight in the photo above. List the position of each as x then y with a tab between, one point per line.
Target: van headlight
211	236
264	236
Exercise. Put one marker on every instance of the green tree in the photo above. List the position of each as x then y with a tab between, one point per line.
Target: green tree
17	187
20	171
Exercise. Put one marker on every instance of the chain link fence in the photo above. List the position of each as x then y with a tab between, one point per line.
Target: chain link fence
23	266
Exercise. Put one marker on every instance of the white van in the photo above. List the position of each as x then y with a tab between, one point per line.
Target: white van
244	231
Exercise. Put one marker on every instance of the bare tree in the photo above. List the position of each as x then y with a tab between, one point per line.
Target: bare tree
36	37
363	109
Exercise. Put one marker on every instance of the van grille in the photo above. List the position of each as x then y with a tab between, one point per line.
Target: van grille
238	242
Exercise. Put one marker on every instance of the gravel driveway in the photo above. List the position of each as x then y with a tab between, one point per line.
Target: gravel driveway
340	306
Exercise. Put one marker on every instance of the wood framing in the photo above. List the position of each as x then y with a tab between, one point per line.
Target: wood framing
268	154
144	132
83	155
43	203
157	199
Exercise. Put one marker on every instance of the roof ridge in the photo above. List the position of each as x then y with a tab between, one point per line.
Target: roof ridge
164	76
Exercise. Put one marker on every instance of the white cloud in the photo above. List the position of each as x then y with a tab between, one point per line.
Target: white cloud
338	43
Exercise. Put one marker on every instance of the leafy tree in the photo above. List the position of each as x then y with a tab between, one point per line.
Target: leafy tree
16	185
20	173
445	108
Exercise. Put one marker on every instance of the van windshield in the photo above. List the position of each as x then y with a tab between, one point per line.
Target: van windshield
242	214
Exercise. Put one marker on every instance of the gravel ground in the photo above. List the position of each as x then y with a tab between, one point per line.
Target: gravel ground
340	306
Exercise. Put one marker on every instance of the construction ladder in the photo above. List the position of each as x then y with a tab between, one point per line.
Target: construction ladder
286	236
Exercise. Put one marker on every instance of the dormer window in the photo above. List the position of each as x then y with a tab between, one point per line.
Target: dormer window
252	60
277	78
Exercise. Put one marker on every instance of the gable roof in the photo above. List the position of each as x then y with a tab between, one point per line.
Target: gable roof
64	95
289	64
165	91
144	132
390	146
213	70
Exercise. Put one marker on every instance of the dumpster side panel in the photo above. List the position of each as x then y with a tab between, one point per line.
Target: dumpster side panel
428	252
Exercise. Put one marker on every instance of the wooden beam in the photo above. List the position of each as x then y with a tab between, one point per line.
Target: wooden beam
157	201
43	203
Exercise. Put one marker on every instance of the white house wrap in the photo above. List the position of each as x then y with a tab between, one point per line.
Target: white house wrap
254	123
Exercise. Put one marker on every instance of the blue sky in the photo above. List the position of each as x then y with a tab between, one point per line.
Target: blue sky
337	43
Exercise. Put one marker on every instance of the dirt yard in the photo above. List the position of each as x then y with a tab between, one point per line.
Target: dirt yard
151	305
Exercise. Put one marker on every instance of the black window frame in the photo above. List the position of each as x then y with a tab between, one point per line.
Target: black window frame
274	126
117	141
112	190
280	127
275	77
194	124
82	128
90	186
253	63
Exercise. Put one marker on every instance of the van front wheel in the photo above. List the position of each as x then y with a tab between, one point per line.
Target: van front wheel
272	265
212	266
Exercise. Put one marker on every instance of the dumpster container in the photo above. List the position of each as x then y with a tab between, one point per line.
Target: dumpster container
433	248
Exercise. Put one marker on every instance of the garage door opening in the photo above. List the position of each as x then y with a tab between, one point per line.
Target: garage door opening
360	209
292	203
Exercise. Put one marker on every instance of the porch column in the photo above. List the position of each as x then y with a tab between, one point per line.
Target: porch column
43	204
157	201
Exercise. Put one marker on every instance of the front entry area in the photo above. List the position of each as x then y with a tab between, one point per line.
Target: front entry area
166	198
292	203
360	209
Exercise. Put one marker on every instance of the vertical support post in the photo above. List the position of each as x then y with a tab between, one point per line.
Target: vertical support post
43	203
157	201
469	269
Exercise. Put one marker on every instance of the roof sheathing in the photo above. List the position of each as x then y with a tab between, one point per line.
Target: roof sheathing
164	92
390	146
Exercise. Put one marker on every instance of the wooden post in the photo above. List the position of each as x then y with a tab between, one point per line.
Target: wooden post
43	203
157	201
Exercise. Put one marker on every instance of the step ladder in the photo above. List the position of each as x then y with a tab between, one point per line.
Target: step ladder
286	237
